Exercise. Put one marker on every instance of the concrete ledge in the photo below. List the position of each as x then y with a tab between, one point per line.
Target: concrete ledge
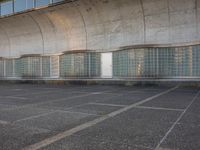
126	82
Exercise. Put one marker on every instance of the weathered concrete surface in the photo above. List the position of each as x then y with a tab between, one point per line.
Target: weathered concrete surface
31	114
100	25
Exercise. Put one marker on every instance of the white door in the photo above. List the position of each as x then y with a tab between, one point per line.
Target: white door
106	65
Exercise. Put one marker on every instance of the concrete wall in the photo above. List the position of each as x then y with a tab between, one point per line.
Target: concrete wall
100	25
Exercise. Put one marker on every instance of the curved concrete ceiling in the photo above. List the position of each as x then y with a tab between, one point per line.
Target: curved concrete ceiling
100	25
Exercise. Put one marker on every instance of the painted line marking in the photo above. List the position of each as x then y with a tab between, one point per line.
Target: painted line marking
76	112
74	130
56	109
56	100
128	92
4	122
143	147
61	99
160	108
17	89
66	98
177	121
15	97
96	93
104	104
48	113
46	102
36	116
140	91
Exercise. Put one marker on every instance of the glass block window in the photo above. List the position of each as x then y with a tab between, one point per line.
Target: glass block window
54	64
196	61
150	62
139	62
80	65
46	66
1	68
24	67
95	64
166	62
9	64
171	62
34	67
18	67
67	65
28	67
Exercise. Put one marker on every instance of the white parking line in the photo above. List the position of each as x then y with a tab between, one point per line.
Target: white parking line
75	112
57	109
12	97
104	104
46	102
74	130
3	122
51	112
36	116
160	108
143	147
17	89
15	97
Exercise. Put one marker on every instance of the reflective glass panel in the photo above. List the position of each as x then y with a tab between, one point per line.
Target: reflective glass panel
42	3
56	1
29	4
19	5
6	8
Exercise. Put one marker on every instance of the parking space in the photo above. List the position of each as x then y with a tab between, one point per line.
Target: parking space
186	134
98	117
134	129
177	99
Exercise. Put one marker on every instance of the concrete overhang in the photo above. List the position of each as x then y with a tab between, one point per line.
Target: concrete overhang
100	26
